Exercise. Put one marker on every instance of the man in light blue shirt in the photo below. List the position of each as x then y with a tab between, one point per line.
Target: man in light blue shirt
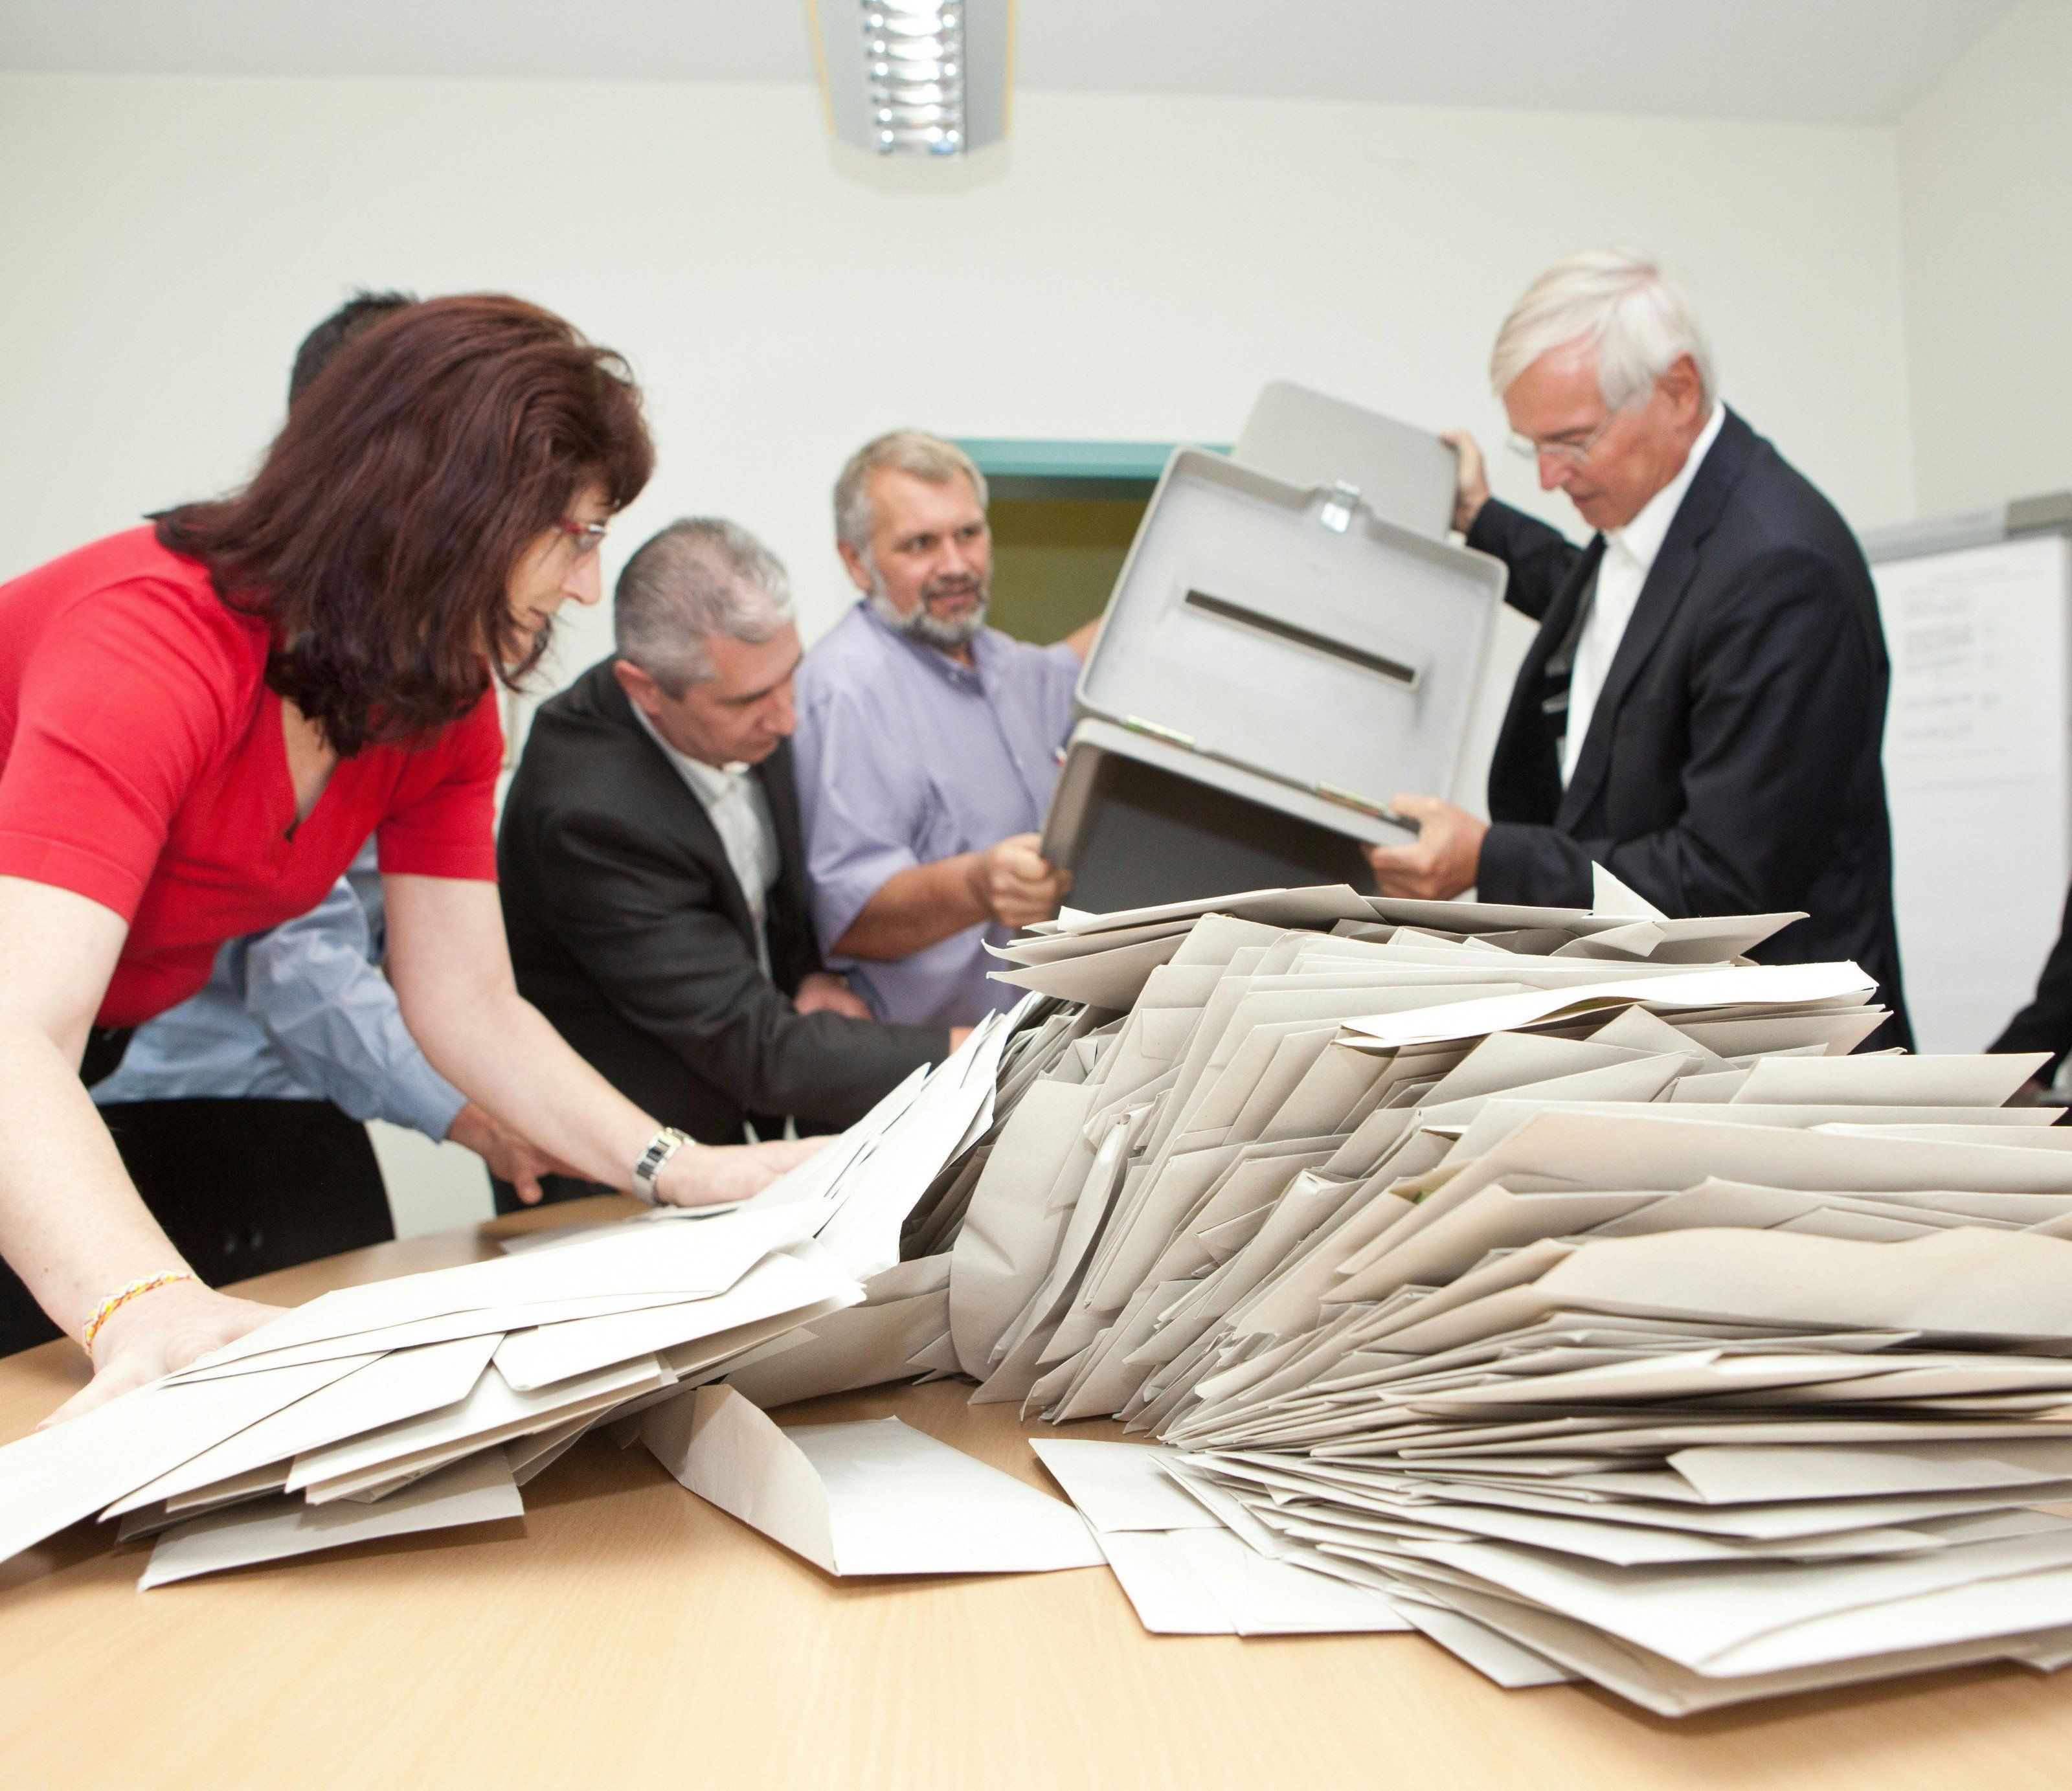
928	745
304	1013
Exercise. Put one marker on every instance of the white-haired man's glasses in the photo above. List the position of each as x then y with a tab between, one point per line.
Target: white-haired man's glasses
1574	453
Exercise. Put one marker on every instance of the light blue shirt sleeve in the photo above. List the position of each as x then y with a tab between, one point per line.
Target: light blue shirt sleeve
312	987
864	821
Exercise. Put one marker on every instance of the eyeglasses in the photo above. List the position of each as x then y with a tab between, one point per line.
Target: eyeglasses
1574	453
588	537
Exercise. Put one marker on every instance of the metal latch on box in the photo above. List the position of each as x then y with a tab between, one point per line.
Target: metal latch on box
1346	798
1337	515
1138	725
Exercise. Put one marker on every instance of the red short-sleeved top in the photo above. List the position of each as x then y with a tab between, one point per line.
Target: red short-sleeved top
142	765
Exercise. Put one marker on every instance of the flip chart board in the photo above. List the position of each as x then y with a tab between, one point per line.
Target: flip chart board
1978	758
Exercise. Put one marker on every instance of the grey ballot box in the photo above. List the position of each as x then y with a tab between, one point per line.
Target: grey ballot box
1286	648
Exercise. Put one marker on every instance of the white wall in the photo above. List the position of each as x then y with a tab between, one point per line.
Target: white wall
1985	161
1126	267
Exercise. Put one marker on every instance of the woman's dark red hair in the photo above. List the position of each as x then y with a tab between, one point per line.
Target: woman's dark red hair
379	535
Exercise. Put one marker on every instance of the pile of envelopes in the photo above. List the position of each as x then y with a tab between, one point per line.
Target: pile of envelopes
1562	1284
1557	1284
428	1401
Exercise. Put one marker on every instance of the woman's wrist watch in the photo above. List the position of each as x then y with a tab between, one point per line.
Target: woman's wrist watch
664	1145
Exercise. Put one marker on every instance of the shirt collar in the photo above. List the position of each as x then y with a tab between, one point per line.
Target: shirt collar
1640	539
977	676
711	781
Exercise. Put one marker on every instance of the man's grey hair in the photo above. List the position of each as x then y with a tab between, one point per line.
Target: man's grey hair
925	457
700	577
1618	301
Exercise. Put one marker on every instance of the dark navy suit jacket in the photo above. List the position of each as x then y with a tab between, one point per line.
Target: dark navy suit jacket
1732	765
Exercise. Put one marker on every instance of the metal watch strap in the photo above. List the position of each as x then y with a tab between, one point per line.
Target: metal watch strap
664	1145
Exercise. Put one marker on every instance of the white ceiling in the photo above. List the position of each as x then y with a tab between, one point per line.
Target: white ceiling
1832	61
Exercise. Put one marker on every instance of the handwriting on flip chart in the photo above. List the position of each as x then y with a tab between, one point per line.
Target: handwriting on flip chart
1979	664
1978	778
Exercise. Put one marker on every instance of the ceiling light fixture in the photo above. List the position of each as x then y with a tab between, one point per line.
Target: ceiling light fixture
914	77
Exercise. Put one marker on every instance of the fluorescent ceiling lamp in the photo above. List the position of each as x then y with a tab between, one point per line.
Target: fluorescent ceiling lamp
915	77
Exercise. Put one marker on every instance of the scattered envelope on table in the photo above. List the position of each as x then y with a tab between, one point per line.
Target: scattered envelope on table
478	1490
1183	1572
785	1282
859	1346
1119	1486
874	1498
56	1476
385	1391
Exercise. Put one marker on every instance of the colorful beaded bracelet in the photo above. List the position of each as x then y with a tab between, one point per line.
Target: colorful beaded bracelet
121	1297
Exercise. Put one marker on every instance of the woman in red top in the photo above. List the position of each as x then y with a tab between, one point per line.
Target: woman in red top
201	724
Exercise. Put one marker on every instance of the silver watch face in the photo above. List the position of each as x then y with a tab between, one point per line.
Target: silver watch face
664	1145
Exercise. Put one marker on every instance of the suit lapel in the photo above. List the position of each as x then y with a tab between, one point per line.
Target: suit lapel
1669	579
674	801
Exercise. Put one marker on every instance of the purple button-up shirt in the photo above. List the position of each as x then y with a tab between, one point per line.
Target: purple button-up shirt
904	757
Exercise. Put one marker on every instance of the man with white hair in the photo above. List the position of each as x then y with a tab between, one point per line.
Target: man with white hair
1702	709
928	745
652	870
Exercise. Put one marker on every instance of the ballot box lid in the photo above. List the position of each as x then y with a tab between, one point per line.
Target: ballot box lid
1290	631
1407	475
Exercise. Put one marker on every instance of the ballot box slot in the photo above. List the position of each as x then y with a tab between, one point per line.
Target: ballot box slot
1302	673
1280	629
1337	665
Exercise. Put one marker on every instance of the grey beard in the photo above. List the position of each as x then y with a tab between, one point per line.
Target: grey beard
922	627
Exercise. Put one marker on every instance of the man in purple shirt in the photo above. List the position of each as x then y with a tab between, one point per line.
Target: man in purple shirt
928	745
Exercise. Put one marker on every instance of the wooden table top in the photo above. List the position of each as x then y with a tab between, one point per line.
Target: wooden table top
627	1633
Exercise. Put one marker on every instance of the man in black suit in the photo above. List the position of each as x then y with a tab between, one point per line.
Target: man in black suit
1703	709
652	872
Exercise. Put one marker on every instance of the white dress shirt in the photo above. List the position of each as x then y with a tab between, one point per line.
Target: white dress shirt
740	815
1630	555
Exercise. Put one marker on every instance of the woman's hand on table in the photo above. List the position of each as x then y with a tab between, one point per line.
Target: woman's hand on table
713	1175
157	1334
